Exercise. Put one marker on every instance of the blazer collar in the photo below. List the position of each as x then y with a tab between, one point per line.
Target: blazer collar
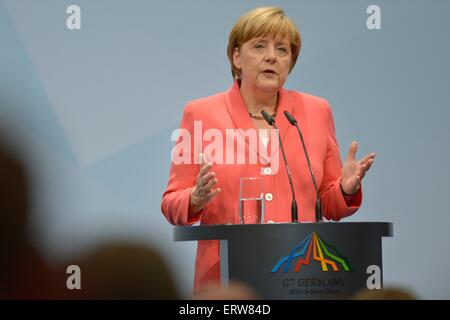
241	119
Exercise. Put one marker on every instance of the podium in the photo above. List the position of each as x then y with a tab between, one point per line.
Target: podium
329	260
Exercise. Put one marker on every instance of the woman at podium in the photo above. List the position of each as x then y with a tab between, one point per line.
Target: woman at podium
216	144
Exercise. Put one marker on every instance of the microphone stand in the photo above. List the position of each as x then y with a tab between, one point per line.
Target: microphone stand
294	211
293	122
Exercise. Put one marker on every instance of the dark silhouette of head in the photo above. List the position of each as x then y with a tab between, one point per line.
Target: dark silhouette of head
385	294
123	270
24	274
233	291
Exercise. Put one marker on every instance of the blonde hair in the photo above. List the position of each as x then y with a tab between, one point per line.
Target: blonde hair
262	22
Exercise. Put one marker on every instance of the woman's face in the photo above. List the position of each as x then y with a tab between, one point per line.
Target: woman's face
264	62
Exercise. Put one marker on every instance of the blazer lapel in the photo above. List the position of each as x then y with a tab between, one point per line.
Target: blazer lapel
241	120
239	115
284	104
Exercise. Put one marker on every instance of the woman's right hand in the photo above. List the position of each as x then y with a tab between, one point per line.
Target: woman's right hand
203	191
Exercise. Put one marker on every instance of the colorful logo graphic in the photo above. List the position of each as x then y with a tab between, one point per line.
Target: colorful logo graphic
322	252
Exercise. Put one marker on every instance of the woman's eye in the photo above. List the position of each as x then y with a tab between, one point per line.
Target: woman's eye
259	46
282	51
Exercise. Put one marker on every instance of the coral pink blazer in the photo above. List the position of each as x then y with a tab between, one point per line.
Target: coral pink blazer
227	110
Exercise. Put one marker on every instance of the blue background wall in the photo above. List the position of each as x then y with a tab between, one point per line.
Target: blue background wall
93	111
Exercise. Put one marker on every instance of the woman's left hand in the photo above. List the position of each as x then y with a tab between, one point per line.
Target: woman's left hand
354	170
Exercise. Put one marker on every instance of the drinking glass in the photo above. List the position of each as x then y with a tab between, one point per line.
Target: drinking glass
251	201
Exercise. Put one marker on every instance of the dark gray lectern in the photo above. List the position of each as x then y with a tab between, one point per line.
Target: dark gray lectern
330	260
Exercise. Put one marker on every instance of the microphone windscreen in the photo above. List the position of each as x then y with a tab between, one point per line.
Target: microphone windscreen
268	118
290	118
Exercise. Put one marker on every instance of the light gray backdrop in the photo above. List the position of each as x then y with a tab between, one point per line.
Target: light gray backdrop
93	111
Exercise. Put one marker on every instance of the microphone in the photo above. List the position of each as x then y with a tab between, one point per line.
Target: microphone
271	121
293	122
